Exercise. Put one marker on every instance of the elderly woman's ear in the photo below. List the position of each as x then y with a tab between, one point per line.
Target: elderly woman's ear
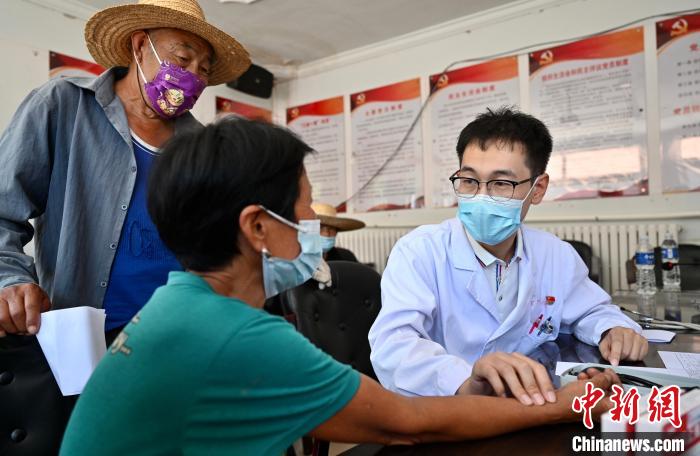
252	227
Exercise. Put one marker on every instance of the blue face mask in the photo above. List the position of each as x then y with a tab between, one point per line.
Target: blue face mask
280	274
327	243
491	221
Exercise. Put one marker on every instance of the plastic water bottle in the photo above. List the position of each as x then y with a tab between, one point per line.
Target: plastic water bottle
669	257
672	309
646	305
644	262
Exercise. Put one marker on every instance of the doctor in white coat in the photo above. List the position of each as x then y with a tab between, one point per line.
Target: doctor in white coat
462	301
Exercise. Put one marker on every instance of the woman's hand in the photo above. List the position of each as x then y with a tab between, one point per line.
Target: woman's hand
603	380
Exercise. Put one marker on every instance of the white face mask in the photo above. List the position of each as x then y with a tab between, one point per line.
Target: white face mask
491	222
280	274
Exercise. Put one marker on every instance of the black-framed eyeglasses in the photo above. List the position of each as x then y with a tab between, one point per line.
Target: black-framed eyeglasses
497	189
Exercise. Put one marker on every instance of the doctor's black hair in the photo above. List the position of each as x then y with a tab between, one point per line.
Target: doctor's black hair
205	177
509	126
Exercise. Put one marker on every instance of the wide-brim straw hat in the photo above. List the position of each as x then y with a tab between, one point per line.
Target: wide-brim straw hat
328	216
108	33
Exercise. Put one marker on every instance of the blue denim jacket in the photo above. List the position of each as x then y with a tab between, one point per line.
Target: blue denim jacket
66	160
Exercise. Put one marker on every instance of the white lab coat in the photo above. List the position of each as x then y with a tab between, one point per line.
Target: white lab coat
439	315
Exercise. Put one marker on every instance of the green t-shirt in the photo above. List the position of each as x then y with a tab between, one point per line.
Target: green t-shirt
199	373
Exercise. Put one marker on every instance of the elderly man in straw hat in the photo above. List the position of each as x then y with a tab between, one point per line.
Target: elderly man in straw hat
331	225
76	157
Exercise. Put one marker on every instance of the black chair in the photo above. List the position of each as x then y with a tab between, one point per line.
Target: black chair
33	413
337	319
591	261
689	259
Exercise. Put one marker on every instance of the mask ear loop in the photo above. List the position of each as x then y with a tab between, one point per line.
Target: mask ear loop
143	76
531	188
138	66
160	62
140	71
281	219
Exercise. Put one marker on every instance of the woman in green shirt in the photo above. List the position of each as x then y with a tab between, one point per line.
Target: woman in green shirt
202	369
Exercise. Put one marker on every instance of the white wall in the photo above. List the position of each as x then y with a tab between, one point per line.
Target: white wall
29	31
523	24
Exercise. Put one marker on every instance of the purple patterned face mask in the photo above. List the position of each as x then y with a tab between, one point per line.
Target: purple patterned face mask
174	90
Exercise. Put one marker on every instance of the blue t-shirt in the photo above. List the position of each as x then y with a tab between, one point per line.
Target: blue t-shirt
142	261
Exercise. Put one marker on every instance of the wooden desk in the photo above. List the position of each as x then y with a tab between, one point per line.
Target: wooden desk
544	440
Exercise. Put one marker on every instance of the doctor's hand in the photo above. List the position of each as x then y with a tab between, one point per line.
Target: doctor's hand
620	343
20	308
501	374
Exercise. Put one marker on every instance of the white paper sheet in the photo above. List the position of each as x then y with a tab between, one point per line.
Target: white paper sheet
73	342
658	335
687	363
564	365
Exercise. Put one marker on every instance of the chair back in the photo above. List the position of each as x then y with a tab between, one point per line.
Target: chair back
689	257
33	412
591	261
337	319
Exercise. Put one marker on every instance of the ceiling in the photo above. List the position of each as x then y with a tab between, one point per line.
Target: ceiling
293	32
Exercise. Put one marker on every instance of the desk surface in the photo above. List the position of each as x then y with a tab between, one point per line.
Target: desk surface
683	306
555	439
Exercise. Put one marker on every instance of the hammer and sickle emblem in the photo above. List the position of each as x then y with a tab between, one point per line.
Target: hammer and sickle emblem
546	57
442	81
679	27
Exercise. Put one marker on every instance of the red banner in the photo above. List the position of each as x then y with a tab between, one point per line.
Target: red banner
329	107
63	66
611	45
226	106
401	91
492	71
677	27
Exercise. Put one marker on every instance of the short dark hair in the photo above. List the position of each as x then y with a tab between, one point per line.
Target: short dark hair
509	126
206	177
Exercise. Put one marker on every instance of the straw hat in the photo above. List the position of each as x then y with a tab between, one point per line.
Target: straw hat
107	34
328	216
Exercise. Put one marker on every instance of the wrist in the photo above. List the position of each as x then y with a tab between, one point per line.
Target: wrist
603	334
463	388
466	387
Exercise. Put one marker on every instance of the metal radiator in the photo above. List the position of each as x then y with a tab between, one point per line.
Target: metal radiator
614	244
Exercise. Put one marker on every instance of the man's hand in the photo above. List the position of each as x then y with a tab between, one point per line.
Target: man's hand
503	373
20	308
620	343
